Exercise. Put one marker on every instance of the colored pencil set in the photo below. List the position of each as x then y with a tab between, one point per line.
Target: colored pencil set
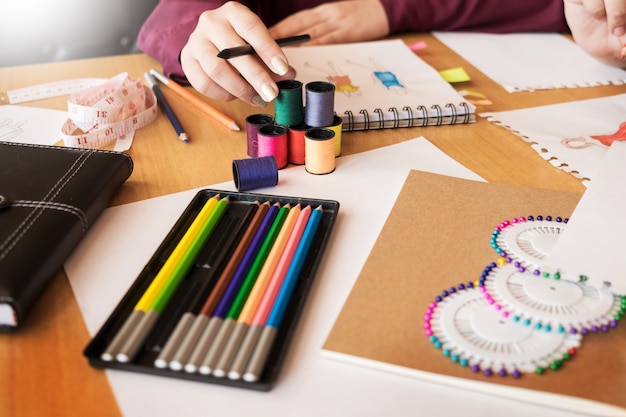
220	298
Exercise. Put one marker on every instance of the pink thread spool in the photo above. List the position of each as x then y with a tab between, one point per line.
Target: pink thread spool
272	140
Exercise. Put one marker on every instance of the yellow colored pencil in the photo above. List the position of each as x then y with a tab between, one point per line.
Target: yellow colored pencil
174	259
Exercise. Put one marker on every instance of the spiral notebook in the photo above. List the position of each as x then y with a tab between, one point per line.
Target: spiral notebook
381	84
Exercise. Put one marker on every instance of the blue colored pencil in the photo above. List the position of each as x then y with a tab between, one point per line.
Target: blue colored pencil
230	294
262	349
165	106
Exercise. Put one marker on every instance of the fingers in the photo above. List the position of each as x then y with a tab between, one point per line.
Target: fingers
337	22
251	78
616	16
614	11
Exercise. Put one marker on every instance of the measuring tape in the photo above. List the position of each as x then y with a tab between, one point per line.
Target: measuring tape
100	111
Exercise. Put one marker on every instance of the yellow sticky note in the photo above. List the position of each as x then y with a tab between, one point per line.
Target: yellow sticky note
455	75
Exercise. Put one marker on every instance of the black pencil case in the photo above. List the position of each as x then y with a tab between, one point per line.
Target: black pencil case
239	203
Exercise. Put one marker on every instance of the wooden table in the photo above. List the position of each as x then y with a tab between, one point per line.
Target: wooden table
42	370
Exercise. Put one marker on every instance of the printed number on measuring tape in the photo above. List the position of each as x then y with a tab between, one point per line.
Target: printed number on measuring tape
100	110
111	111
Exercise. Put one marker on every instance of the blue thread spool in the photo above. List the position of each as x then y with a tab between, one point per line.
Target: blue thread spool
320	104
254	173
288	108
253	123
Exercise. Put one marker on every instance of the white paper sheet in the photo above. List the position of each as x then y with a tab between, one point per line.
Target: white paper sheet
531	61
31	125
366	185
594	240
567	134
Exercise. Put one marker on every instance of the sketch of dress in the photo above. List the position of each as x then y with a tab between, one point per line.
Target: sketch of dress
581	142
341	80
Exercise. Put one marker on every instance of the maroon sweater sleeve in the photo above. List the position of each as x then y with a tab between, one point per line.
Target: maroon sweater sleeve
494	16
167	29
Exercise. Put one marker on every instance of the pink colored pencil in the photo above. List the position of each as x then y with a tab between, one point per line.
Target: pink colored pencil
265	306
266	303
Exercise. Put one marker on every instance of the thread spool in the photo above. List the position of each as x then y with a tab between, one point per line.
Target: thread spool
295	144
320	104
254	173
288	108
253	123
272	140
336	127
319	150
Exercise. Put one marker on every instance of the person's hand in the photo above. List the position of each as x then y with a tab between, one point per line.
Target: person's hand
599	27
337	22
251	78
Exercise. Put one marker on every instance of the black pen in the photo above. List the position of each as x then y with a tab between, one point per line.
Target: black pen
166	107
248	49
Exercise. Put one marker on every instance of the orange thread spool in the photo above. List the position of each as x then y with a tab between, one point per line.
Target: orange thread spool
319	151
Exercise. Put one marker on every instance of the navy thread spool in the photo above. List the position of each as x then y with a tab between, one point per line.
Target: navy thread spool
288	107
254	173
253	123
320	104
336	127
319	150
272	140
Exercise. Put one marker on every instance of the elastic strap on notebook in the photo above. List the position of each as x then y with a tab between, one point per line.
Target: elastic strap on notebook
47	203
55	206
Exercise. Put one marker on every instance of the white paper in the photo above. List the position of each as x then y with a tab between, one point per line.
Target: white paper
594	240
566	134
32	125
366	185
531	61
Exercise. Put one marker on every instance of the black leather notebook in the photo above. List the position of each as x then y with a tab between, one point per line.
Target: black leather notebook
49	198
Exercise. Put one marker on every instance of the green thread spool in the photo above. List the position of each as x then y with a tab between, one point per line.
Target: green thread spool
288	107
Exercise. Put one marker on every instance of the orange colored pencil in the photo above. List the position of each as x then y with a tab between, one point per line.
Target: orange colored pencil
195	101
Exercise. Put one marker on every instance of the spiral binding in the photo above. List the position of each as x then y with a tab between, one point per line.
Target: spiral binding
456	114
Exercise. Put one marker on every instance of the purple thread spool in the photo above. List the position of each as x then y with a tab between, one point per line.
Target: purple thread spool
253	124
254	173
320	104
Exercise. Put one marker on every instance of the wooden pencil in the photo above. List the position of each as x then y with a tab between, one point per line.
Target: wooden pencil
196	101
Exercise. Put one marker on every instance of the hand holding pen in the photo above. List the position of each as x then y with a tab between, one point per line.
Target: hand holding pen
252	77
